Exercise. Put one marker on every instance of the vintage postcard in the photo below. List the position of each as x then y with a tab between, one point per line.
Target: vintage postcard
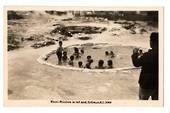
83	56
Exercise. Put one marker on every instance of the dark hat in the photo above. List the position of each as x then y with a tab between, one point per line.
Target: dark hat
154	37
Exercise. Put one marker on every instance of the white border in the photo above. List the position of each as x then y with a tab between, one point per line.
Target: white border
165	3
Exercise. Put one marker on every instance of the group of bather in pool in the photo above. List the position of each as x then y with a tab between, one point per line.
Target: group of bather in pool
63	58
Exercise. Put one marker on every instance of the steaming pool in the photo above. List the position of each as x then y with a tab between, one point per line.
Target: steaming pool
121	59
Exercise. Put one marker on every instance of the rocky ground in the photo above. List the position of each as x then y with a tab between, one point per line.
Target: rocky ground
28	79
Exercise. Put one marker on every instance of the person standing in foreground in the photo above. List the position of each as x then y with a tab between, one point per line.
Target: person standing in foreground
148	80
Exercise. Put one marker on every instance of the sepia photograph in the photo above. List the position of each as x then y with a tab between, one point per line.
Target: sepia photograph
83	56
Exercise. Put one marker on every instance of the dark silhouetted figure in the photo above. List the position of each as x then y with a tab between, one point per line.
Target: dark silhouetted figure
82	51
89	58
112	54
64	58
110	64
71	63
148	61
88	64
80	64
106	53
59	52
76	53
100	64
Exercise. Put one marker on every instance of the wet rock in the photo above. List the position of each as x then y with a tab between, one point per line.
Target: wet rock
132	31
88	44
59	13
70	30
115	29
14	40
84	38
143	31
61	30
96	47
43	44
67	19
35	37
13	15
12	47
